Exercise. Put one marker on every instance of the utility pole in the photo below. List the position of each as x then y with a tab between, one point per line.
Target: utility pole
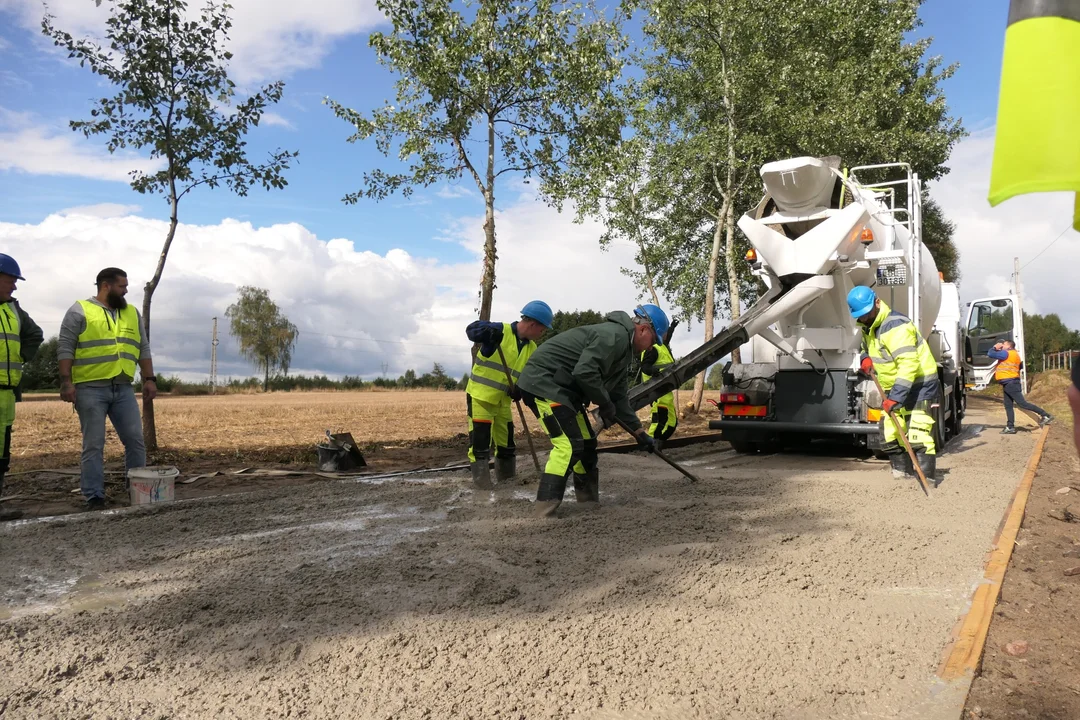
213	361
1018	331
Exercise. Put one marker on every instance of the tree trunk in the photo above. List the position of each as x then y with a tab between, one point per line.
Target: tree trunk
266	375
487	281
732	271
644	258
710	303
149	425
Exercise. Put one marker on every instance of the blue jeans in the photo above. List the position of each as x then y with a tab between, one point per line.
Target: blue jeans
1014	394
118	403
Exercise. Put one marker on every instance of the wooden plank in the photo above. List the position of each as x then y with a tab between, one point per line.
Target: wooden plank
963	655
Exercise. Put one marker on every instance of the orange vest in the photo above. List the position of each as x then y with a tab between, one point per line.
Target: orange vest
1009	368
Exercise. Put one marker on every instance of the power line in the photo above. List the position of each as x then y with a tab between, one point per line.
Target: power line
1061	235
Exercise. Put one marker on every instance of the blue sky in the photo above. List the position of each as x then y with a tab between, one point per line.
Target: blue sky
425	247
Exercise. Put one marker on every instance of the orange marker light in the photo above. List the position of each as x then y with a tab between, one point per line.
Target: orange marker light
867	236
751	255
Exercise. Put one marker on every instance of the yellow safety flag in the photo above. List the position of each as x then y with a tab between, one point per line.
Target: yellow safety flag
1037	145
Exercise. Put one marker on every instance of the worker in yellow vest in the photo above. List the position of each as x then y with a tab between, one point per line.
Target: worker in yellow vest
1036	143
1007	373
488	394
665	417
22	338
101	343
907	371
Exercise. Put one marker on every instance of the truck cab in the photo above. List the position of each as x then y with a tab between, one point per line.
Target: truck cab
989	321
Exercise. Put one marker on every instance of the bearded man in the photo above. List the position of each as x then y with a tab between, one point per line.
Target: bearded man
102	339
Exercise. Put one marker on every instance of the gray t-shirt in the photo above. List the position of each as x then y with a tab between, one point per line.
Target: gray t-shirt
74	325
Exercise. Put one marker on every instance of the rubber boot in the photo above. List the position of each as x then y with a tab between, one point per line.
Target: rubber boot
481	474
7	514
549	495
587	487
928	465
901	465
505	468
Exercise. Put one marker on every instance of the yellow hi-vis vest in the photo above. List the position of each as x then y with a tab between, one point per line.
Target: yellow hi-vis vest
11	362
487	381
1009	368
663	359
902	359
1037	139
106	348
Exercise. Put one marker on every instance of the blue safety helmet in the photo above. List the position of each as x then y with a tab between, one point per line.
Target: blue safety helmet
8	266
539	311
656	317
860	300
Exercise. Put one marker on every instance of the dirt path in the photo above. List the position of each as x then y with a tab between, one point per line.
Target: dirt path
1039	605
784	586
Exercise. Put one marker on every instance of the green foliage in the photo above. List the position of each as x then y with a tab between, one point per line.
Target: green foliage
43	372
266	337
938	233
1046	334
174	96
487	88
714	380
564	320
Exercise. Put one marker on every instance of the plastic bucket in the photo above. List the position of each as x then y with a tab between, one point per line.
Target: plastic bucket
153	484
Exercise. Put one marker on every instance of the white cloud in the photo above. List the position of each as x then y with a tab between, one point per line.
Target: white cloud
270	38
449	192
355	309
28	146
989	238
273	119
102	210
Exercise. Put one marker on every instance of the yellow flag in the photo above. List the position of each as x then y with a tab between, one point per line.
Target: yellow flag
1037	144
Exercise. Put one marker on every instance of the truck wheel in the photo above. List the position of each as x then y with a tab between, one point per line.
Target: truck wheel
881	455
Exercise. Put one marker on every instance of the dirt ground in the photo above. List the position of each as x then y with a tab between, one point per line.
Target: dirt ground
1039	604
781	586
278	431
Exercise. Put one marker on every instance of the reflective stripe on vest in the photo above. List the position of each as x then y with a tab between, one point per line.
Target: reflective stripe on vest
11	362
1009	368
663	359
901	357
487	380
1036	146
106	348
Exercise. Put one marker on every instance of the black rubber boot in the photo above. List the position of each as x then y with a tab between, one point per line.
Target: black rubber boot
481	474
587	486
549	495
505	468
928	465
901	465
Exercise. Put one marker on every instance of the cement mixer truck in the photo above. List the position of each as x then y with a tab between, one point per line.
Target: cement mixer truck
818	232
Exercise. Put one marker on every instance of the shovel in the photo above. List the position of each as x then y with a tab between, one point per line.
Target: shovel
521	413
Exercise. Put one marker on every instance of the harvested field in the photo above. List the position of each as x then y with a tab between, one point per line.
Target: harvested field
782	586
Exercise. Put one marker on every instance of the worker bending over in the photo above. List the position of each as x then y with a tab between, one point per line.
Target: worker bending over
654	361
488	393
1008	374
907	371
583	365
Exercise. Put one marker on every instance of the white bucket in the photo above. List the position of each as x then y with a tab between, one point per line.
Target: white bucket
152	484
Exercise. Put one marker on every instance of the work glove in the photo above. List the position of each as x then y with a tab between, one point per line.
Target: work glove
866	366
515	393
645	441
889	405
607	415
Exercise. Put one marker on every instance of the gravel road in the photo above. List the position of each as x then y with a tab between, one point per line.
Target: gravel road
782	586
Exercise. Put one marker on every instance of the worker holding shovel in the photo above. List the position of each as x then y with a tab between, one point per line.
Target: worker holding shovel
583	365
894	350
504	349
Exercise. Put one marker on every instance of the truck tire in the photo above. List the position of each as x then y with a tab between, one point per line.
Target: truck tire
744	447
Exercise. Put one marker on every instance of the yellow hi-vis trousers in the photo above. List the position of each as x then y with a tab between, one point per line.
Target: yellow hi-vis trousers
664	418
919	426
490	425
573	442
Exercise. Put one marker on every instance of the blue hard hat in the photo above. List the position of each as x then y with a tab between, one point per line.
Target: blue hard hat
8	266
539	311
860	300
656	317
